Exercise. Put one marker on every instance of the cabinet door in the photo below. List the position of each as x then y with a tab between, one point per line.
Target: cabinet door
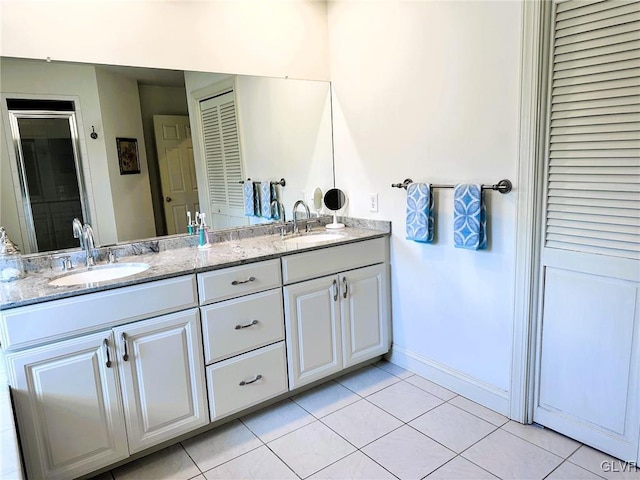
68	407
365	313
162	375
313	330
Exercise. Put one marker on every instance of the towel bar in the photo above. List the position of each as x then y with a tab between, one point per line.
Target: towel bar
282	182
503	186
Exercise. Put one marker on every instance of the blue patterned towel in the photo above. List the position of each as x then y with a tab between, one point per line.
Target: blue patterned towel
420	213
469	217
265	199
249	197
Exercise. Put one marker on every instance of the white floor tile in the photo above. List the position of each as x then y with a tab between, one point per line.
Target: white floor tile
325	399
311	448
260	463
361	423
432	388
356	466
544	438
393	369
407	453
602	464
172	463
569	471
452	427
404	401
367	380
508	456
460	468
277	420
220	445
479	411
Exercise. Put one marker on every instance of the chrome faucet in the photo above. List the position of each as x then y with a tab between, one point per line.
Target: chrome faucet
279	206
78	232
295	220
87	234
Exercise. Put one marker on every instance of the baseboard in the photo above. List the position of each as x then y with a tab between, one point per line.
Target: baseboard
458	382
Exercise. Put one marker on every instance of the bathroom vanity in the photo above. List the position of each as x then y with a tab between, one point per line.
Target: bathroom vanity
100	372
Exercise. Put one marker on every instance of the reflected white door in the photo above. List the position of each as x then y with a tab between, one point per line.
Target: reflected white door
588	351
177	170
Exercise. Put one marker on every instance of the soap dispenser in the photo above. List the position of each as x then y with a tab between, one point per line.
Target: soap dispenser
11	265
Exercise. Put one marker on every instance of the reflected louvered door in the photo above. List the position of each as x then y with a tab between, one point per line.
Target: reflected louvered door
223	160
588	356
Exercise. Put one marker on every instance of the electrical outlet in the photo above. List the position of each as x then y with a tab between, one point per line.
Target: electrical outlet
373	202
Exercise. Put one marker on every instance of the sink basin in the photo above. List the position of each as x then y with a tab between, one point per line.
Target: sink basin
99	274
311	238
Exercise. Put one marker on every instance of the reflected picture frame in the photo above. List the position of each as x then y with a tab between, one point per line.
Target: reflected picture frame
128	157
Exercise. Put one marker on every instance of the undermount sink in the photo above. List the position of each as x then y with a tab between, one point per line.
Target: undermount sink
99	274
310	238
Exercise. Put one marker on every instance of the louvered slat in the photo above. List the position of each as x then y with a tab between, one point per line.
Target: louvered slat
593	190
222	152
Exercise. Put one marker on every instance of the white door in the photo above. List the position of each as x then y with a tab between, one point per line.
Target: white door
162	375
223	160
177	170
587	383
312	322
365	314
68	407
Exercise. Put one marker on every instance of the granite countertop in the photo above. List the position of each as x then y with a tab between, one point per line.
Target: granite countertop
35	288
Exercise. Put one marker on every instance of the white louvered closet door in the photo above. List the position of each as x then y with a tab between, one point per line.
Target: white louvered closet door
223	161
588	356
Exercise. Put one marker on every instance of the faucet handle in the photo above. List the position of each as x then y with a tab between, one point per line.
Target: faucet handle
283	230
66	263
309	224
111	257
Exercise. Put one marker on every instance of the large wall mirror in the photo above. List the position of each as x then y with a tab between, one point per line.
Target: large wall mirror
131	150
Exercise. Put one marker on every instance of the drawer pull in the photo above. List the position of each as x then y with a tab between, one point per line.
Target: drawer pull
240	282
125	357
257	377
239	327
106	349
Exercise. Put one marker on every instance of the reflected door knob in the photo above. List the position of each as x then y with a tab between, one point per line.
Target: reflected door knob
168	199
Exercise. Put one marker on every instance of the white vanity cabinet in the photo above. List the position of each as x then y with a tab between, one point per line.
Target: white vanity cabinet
243	330
86	402
337	320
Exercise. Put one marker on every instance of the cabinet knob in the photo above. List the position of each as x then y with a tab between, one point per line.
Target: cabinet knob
169	199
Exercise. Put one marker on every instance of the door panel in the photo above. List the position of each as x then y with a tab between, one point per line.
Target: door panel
177	170
68	407
162	378
313	330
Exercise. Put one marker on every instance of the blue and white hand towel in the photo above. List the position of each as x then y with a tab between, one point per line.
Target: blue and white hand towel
420	219
469	217
265	199
249	198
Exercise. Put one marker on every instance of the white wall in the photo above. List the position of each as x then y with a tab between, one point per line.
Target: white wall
429	90
253	37
38	79
121	117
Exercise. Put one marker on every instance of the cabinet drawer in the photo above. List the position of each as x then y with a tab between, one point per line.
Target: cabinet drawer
34	324
304	266
230	382
242	324
235	281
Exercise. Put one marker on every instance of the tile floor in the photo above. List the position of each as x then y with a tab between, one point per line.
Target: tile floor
380	422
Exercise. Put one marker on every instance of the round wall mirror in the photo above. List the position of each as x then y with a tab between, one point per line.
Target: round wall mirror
334	200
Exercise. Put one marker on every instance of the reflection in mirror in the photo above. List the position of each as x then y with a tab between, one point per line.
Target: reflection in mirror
198	136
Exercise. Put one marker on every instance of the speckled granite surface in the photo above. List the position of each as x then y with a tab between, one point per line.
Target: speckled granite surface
169	258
